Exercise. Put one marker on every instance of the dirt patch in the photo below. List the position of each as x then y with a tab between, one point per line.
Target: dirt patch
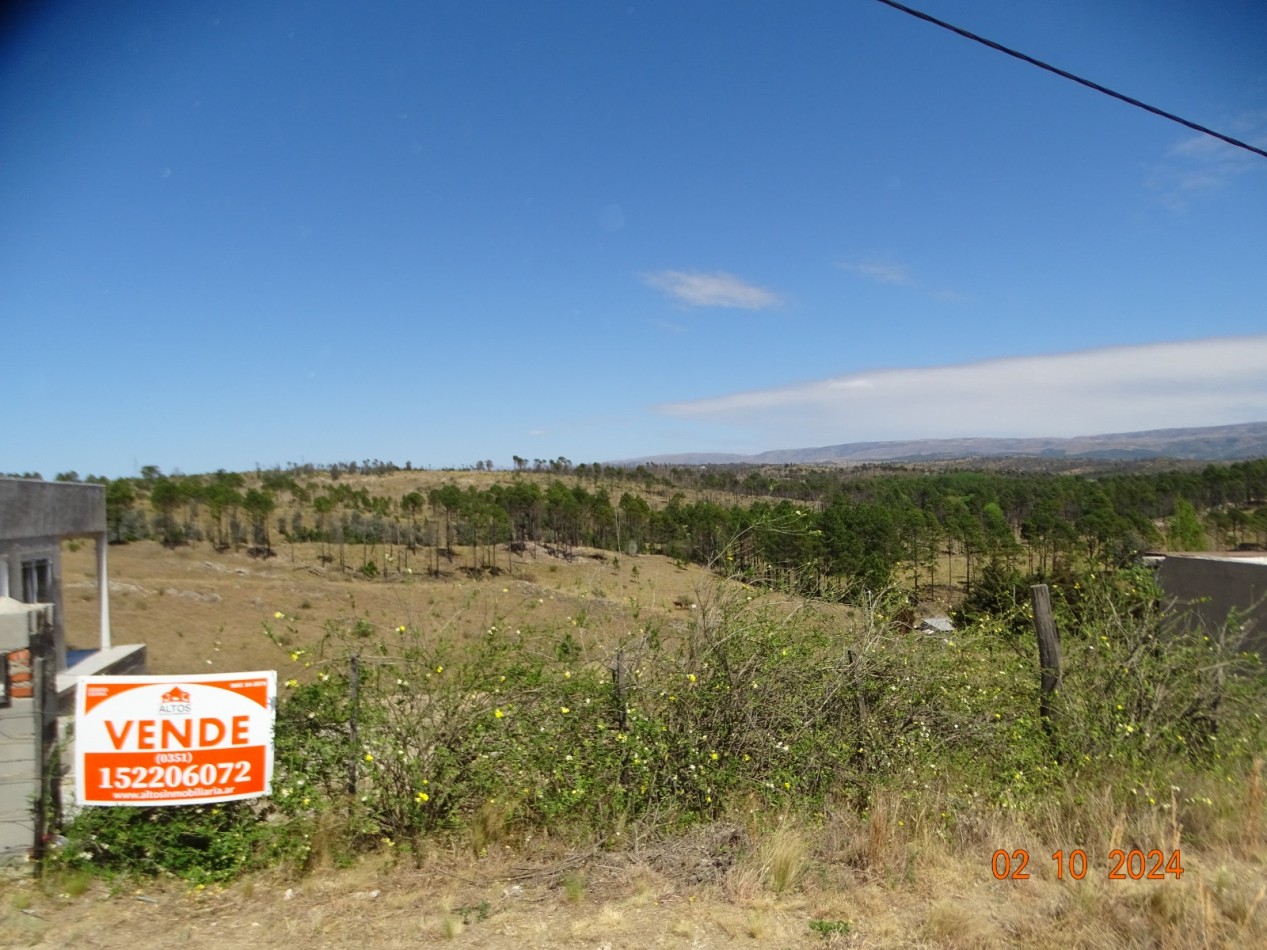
384	902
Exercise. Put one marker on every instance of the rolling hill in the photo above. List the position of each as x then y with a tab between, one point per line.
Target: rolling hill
1209	443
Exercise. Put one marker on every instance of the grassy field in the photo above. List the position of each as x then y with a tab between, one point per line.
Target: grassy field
900	873
198	609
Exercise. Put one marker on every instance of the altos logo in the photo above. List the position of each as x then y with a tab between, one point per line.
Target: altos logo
175	702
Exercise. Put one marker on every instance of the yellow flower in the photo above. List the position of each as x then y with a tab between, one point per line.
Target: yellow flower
713	756
564	710
691	677
369	757
439	669
278	615
401	628
423	797
497	714
292	683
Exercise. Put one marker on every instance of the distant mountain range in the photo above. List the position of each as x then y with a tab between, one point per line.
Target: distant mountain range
1206	444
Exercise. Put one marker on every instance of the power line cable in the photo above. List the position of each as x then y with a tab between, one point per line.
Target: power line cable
918	14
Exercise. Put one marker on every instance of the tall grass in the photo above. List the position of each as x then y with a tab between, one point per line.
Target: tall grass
754	711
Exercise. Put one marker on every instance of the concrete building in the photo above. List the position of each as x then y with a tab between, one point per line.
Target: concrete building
1211	586
35	518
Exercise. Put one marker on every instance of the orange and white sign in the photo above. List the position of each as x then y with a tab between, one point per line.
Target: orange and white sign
165	740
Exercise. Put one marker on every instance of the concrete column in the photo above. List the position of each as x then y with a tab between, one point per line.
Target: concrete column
103	589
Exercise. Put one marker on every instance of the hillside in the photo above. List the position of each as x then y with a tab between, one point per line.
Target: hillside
1211	443
199	609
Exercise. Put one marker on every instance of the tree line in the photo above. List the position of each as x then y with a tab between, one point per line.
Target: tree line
817	530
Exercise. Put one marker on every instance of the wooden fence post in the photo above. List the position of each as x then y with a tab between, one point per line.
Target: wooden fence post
1048	653
354	689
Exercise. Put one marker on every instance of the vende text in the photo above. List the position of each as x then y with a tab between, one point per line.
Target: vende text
153	734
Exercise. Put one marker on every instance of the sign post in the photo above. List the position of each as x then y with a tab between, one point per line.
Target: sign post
170	740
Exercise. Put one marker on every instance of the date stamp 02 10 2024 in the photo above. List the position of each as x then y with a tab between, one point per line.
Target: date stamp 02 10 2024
1133	865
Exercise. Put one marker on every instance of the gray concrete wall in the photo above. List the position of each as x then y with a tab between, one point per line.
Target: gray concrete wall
31	509
34	518
19	780
1209	588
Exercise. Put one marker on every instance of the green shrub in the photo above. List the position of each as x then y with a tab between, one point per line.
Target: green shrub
200	843
396	736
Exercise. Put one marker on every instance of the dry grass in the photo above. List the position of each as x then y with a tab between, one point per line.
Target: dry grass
782	879
955	923
1252	841
196	609
784	857
897	874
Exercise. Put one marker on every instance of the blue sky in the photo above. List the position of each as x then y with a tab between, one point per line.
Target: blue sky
238	232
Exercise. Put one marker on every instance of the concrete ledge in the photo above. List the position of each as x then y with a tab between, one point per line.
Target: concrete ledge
122	660
31	509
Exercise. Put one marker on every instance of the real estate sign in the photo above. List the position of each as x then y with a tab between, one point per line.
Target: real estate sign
172	740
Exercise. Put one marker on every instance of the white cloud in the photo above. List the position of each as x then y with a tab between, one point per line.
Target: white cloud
1202	163
718	289
1116	389
884	272
899	275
